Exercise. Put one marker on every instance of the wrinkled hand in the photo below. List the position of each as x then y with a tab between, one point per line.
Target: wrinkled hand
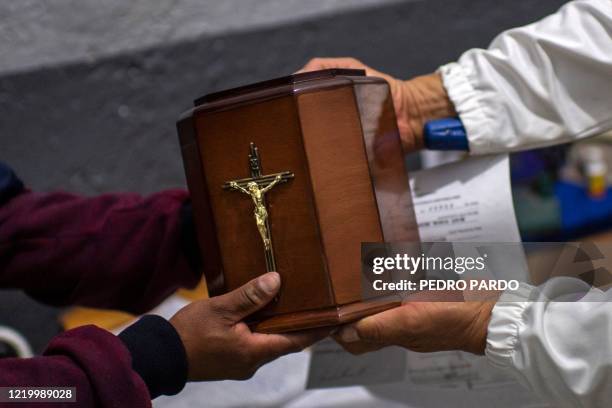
416	101
220	345
423	326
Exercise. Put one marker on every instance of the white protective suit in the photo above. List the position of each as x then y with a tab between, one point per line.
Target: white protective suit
546	83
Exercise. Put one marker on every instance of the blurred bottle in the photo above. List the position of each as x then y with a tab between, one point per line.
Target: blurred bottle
595	170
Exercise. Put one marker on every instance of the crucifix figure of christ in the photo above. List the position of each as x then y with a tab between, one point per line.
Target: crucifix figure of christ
261	213
256	187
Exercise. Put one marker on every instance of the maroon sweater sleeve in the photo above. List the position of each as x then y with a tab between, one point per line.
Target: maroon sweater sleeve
88	358
118	251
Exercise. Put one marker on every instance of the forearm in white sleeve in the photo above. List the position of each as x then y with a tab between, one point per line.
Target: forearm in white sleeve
546	83
558	347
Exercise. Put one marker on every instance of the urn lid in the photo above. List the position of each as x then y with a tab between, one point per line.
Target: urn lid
278	82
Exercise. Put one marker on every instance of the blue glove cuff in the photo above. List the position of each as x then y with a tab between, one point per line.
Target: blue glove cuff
445	134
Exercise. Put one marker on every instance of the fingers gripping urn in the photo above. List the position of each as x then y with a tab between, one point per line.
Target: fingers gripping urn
291	175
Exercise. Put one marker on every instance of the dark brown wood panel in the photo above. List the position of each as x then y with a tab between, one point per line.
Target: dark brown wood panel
203	218
224	138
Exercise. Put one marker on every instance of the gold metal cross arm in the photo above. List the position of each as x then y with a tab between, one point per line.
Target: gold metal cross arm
261	181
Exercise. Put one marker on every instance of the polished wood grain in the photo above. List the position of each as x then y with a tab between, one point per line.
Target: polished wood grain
344	198
224	138
386	161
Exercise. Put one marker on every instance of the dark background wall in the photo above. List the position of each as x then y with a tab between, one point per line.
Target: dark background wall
102	119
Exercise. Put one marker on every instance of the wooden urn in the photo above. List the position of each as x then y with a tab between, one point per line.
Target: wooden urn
292	175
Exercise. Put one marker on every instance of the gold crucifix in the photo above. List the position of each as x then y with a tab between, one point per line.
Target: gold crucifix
256	187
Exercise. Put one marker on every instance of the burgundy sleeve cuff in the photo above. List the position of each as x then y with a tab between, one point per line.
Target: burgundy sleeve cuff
158	355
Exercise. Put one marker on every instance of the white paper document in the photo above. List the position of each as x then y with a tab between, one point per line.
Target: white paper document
469	201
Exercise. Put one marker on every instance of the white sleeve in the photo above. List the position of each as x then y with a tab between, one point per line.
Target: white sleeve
561	350
546	83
